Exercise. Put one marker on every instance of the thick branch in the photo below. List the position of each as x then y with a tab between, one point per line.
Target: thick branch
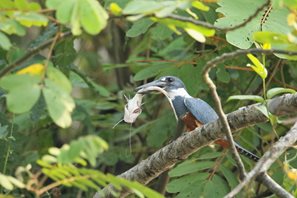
268	158
184	146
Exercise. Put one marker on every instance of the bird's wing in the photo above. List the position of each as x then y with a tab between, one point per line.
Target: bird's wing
201	110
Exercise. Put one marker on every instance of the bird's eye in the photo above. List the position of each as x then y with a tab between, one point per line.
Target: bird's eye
169	79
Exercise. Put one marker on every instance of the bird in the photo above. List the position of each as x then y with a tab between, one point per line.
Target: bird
193	112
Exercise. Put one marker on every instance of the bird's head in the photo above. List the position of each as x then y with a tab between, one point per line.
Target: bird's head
171	84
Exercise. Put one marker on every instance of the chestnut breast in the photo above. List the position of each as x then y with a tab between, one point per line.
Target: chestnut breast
190	122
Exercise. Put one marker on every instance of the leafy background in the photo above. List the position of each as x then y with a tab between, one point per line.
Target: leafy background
60	104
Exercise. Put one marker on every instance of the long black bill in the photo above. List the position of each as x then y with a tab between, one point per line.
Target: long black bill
156	83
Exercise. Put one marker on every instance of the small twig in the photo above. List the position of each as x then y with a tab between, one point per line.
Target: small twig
208	25
239	68
268	159
51	49
31	52
274	187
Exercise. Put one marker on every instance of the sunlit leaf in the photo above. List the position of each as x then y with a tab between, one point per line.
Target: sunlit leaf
88	14
4	41
258	67
190	166
59	103
23	91
196	35
30	19
34	69
115	9
200	6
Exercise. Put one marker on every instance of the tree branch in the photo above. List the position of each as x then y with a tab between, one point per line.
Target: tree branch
184	146
208	25
274	187
268	158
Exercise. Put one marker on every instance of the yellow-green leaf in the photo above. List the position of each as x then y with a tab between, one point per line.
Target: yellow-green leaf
196	35
200	6
4	41
258	67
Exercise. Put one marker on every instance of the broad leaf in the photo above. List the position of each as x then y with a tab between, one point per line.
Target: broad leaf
237	11
30	19
4	41
59	103
190	166
246	97
57	77
23	91
139	27
278	41
278	90
88	14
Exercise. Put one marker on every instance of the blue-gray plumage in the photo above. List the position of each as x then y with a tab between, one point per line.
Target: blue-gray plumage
204	113
194	112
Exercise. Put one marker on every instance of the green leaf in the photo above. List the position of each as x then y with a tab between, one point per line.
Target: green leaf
246	97
237	11
65	53
87	147
88	14
216	187
23	91
278	90
210	155
278	41
11	26
160	32
180	184
230	177
4	41
263	110
142	7
190	166
30	19
223	75
92	16
57	77
59	103
139	27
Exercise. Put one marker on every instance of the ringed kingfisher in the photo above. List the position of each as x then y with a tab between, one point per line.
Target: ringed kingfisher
193	112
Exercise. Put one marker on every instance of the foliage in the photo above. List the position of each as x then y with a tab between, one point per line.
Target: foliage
62	88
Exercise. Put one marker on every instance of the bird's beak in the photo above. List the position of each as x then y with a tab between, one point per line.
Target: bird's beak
156	83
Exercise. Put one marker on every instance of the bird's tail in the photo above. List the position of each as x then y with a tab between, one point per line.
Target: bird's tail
225	144
246	152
